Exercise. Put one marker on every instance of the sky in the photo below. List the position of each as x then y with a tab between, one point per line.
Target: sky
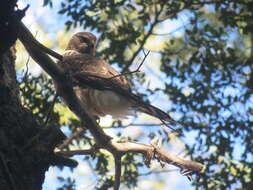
50	22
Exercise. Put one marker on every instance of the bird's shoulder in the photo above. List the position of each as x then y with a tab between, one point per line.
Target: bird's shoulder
72	57
90	65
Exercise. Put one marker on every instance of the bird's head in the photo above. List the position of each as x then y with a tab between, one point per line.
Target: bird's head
83	42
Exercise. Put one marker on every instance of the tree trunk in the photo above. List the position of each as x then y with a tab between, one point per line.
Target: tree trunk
26	149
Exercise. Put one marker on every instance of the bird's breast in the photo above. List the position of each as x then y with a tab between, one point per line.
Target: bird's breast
106	102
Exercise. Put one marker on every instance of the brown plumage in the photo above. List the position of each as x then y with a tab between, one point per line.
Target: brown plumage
111	93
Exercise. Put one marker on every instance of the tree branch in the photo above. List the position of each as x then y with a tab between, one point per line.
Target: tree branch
150	31
35	43
157	172
76	134
148	151
75	152
117	161
136	70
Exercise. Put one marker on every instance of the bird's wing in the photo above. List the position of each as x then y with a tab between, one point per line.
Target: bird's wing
84	64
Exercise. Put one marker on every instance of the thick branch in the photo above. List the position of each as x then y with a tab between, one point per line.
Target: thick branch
75	152
148	151
34	43
35	50
159	154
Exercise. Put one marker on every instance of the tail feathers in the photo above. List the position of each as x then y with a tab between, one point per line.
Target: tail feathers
156	112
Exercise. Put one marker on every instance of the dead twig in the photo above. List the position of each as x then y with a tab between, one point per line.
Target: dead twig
27	62
51	109
135	71
145	38
158	153
26	69
76	134
148	151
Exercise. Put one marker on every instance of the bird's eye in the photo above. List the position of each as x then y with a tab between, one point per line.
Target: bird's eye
84	40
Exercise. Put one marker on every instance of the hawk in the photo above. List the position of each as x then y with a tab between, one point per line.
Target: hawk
107	92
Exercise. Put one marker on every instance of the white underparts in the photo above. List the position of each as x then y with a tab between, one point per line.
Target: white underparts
105	102
111	103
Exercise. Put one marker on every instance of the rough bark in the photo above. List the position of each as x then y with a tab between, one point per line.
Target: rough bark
26	149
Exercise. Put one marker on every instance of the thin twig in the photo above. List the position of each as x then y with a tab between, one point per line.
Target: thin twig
135	71
51	109
27	69
76	134
145	56
26	64
150	31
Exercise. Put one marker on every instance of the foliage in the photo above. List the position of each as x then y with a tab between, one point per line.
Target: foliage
37	94
69	183
208	77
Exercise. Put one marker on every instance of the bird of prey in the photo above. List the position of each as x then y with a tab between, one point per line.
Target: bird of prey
107	92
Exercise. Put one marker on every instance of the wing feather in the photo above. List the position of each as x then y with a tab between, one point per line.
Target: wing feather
90	65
